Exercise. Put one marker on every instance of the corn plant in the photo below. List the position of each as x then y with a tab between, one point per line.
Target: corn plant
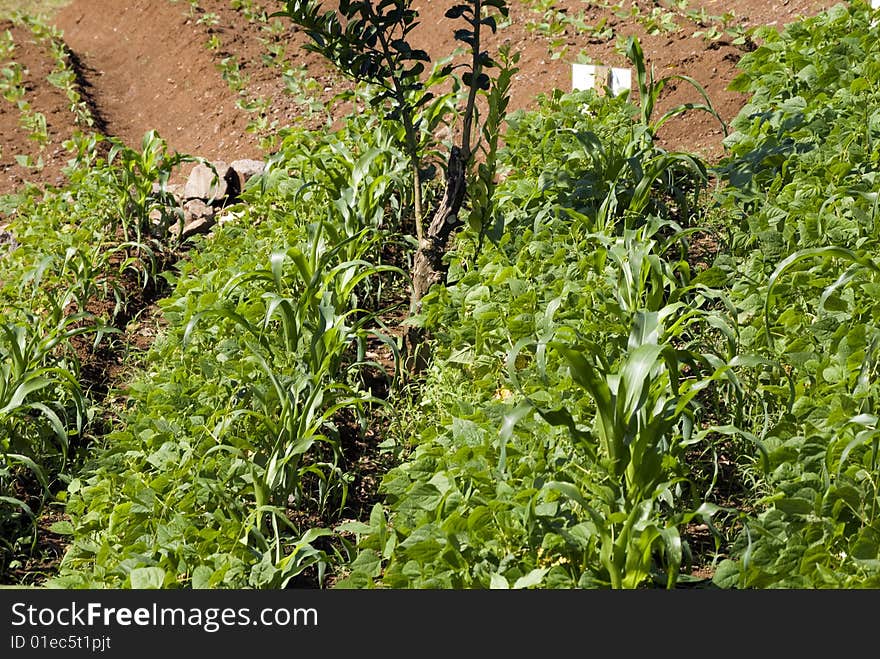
645	418
644	414
311	315
139	178
42	408
484	218
27	369
650	89
362	178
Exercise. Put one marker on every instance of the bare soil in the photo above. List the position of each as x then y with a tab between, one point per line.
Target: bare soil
146	64
43	97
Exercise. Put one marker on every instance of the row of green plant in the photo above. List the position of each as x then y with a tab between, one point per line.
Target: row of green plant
268	346
296	81
246	411
578	364
593	396
13	90
802	208
79	256
63	76
561	25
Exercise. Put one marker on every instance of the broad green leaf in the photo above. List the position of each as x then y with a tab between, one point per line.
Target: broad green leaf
498	582
201	577
147	578
532	579
62	527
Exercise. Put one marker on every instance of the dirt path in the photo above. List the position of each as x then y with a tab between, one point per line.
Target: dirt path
711	62
149	64
149	69
146	64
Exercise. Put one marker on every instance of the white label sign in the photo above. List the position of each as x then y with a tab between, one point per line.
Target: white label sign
594	76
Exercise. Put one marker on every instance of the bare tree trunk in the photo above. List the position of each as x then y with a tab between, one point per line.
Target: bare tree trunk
428	266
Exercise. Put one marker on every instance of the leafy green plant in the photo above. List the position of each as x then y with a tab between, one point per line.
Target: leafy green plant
370	43
618	354
11	77
314	324
140	178
208	18
660	21
644	415
62	76
808	259
230	69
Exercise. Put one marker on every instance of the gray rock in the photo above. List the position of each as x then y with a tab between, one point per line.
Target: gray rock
196	209
204	184
198	225
175	190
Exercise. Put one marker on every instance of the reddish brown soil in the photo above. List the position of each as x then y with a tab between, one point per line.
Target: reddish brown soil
146	65
712	64
42	97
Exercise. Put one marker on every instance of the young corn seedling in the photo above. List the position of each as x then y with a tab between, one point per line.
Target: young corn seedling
308	313
651	87
133	177
42	404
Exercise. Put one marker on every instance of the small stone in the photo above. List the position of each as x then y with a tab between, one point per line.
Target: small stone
203	183
199	225
196	209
